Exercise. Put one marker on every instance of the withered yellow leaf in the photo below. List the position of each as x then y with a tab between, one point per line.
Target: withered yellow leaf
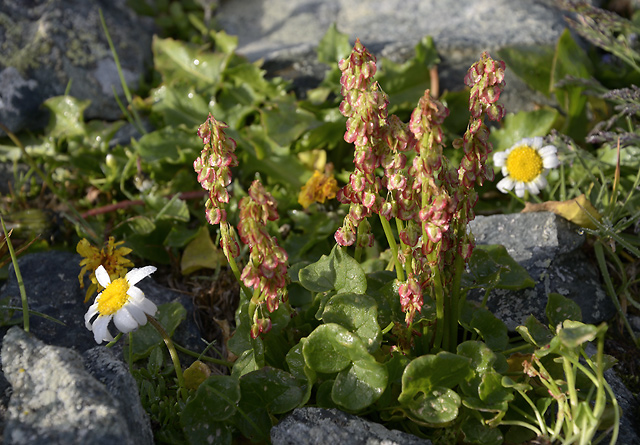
201	253
574	210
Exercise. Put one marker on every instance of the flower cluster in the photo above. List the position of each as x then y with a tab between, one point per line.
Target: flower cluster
111	257
213	167
365	107
266	269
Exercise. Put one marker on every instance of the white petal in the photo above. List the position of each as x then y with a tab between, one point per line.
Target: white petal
124	321
505	171
505	184
135	275
548	150
100	329
535	142
520	189
135	293
147	306
93	310
550	161
102	276
499	158
136	313
533	187
540	181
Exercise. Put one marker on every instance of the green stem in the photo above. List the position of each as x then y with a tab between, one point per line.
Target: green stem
440	315
455	300
393	246
225	232
599	250
203	358
16	270
358	253
172	350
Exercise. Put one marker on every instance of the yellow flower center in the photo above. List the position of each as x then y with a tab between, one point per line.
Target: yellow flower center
113	297
524	164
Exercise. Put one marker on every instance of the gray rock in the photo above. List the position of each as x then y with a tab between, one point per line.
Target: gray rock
115	376
549	248
45	45
285	33
55	400
51	283
318	426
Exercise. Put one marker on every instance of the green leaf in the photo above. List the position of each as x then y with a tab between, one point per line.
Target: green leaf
169	315
381	287
359	314
338	272
436	407
491	266
475	432
66	118
284	121
170	145
571	60
524	124
271	388
141	225
360	385
532	63
426	386
329	347
186	63
406	83
491	328
560	308
216	400
534	332
574	333
179	105
333	46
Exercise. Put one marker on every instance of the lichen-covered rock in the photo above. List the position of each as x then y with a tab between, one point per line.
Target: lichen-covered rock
47	45
549	248
318	426
55	401
285	34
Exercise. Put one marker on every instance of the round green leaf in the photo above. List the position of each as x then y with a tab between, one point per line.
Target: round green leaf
436	407
271	388
427	372
360	385
329	348
359	314
216	400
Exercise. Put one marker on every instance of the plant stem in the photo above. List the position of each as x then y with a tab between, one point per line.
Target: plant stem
393	246
172	350
16	270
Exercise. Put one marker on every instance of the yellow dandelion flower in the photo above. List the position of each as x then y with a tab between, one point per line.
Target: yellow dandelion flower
111	257
319	187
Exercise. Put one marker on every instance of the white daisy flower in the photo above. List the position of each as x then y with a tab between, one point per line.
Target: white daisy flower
121	301
525	166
